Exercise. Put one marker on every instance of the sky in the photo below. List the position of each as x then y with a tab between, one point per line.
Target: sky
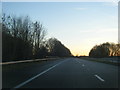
78	25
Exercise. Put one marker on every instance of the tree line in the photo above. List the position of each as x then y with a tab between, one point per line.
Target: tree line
105	50
24	39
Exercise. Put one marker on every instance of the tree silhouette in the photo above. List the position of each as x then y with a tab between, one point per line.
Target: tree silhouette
24	39
20	38
56	48
105	50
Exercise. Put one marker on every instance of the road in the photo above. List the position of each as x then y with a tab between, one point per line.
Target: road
63	73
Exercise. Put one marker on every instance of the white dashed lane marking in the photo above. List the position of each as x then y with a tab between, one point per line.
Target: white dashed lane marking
99	78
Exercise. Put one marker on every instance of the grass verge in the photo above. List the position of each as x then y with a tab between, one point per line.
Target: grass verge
101	61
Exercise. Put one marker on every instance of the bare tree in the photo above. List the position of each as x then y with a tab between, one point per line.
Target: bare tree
105	49
38	35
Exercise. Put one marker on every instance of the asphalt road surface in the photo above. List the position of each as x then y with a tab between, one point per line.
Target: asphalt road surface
62	73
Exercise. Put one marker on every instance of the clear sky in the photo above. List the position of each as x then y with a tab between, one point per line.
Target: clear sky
78	25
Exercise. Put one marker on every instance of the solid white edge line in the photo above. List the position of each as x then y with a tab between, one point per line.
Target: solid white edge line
99	78
27	81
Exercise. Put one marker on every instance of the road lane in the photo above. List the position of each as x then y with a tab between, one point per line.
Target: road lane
106	71
63	76
14	74
69	74
32	78
73	73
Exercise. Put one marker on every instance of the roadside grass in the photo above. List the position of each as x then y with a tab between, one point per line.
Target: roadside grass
22	65
101	61
19	66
